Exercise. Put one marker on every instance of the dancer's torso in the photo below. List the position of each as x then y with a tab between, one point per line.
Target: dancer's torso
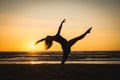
63	42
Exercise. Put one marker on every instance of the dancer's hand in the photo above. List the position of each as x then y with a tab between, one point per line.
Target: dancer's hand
39	41
64	21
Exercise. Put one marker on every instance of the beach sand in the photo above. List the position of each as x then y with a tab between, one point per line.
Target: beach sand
52	72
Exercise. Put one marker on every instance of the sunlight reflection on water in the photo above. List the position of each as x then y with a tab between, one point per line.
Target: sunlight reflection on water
58	62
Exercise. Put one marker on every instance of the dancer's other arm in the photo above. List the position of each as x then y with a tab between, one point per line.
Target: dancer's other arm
58	33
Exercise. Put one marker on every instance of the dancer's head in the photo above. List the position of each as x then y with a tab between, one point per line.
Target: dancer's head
48	41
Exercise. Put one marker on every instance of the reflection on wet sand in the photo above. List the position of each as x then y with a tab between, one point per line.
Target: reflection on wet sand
58	62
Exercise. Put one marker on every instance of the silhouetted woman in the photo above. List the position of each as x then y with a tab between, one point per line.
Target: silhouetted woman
66	45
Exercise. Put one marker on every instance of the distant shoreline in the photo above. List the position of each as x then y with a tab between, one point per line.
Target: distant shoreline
71	51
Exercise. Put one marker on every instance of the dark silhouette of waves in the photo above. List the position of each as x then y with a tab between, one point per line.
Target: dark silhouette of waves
56	56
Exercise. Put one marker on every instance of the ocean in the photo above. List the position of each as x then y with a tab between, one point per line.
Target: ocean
54	57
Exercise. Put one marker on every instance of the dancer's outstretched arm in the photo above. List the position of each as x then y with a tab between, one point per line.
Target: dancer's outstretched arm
58	33
74	40
40	41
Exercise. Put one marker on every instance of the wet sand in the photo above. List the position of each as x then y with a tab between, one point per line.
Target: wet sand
52	72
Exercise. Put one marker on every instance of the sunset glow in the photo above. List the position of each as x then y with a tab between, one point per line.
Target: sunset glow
22	23
32	46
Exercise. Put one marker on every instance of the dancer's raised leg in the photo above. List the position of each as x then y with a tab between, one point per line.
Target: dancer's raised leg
74	40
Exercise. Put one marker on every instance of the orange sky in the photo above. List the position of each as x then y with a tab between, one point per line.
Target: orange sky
22	23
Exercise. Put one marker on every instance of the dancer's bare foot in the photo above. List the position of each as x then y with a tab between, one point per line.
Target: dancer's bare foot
88	31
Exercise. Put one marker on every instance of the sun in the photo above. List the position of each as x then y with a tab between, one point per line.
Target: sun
32	46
